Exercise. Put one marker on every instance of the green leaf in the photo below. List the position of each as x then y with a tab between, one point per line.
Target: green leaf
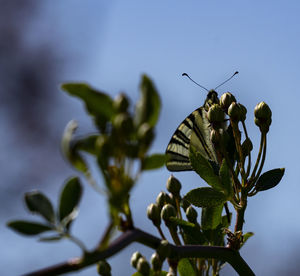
225	177
70	197
246	236
192	232
185	268
97	103
148	107
206	171
68	149
211	217
40	204
205	197
28	228
86	144
154	161
269	179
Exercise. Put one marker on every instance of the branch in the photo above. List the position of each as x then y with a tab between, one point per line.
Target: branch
136	235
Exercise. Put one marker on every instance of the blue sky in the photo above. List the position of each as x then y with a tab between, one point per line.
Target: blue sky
112	43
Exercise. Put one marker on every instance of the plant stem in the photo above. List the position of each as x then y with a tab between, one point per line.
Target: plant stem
241	212
135	235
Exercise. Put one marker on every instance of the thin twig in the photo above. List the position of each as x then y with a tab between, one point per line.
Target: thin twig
135	235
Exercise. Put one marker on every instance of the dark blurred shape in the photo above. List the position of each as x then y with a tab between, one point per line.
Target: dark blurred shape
27	91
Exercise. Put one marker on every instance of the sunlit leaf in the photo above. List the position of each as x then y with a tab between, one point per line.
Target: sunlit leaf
226	179
185	268
204	168
40	204
205	197
211	217
154	161
28	228
192	232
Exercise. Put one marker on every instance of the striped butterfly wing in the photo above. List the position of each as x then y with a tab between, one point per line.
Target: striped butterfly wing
195	131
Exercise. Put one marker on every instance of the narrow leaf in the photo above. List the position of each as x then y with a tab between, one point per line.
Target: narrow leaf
192	232
70	197
269	179
185	268
205	197
246	236
211	217
148	107
28	228
203	167
40	204
154	161
97	103
226	179
86	144
51	238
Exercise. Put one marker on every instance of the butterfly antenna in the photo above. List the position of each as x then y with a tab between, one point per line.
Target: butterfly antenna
186	75
235	73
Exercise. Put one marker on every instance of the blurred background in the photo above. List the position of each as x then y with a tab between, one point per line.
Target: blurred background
109	44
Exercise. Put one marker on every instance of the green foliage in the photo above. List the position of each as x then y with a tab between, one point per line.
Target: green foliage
69	199
154	161
38	203
205	197
269	179
204	168
185	268
28	228
97	103
211	217
210	141
226	179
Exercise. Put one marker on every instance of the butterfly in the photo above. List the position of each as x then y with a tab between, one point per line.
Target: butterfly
193	131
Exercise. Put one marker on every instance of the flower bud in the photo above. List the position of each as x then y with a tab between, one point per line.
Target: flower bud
156	262
153	213
168	211
123	122
191	214
143	266
234	111
104	268
215	114
163	249
262	111
225	100
247	147
161	199
134	258
263	116
173	185
121	103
